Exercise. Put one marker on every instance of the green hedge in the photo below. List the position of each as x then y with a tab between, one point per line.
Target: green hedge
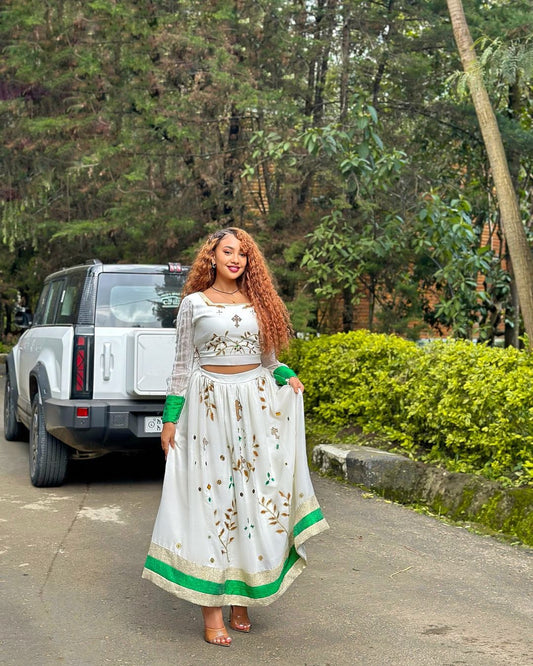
467	406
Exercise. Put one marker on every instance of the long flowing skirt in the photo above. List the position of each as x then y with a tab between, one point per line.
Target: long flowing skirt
237	502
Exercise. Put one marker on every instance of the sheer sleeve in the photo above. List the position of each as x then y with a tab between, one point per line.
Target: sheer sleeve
269	361
184	358
281	372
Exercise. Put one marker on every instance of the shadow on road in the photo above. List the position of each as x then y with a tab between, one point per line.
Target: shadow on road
117	468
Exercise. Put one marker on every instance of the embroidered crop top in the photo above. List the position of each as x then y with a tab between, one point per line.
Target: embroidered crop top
210	333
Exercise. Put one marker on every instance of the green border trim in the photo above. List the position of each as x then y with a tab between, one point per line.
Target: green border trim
234	587
314	517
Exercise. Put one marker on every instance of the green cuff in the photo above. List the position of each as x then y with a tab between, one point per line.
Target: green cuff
282	374
173	406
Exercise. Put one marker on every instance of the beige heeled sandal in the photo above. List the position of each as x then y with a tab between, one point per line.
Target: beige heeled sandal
211	635
239	621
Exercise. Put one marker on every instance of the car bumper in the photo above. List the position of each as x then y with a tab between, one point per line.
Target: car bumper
110	425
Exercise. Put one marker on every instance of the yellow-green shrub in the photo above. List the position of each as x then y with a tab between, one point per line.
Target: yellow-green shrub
468	406
473	405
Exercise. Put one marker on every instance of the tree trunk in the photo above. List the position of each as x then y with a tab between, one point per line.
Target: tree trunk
371	305
345	63
512	331
231	168
347	311
513	228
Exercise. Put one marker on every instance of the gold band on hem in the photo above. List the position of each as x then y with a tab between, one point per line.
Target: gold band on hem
202	599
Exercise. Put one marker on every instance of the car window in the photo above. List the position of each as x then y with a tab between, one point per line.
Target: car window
143	300
39	310
70	299
52	300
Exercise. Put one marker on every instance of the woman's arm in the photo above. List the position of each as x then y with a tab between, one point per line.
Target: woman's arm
181	372
281	372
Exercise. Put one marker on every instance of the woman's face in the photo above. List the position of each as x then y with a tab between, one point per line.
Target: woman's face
230	260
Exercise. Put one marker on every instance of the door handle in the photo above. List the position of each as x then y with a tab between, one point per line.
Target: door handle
107	361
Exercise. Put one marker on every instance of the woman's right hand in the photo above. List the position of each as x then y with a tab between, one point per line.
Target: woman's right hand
167	436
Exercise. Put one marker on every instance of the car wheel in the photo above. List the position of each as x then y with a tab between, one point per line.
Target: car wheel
48	456
13	429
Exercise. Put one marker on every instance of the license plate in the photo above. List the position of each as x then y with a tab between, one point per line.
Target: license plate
153	424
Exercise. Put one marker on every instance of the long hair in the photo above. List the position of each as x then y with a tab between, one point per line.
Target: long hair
256	283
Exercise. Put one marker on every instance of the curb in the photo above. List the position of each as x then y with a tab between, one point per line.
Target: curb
462	497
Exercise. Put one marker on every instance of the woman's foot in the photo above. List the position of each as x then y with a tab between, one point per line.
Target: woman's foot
214	628
238	619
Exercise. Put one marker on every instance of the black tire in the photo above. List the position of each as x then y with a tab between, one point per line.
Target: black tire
13	429
48	456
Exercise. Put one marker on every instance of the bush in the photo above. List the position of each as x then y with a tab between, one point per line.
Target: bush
467	406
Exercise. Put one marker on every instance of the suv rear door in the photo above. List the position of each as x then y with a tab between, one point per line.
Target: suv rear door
134	333
46	343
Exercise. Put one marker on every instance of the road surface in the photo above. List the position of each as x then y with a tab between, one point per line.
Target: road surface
384	586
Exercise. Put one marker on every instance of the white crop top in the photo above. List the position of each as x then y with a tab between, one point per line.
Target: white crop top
210	333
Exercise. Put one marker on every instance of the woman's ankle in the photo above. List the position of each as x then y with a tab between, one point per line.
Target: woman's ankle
213	617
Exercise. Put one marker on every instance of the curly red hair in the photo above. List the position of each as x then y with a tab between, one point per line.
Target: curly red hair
256	283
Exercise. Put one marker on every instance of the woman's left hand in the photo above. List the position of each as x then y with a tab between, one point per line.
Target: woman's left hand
296	384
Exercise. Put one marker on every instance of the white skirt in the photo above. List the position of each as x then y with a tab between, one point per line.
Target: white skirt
237	502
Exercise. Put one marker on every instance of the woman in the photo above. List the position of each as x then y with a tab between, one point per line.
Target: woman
237	501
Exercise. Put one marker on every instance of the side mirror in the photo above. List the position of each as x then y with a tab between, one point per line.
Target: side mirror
23	319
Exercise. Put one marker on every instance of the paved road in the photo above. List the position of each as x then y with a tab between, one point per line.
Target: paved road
385	586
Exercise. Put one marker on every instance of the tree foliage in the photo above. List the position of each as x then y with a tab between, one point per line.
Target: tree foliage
326	128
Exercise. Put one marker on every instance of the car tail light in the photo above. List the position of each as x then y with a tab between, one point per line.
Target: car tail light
82	367
80	360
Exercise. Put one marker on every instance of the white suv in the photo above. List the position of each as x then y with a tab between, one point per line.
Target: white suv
89	375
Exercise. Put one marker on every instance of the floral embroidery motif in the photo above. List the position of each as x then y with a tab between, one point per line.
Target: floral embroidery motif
244	466
238	410
226	526
261	387
207	399
275	432
274	514
226	344
255	446
248	528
